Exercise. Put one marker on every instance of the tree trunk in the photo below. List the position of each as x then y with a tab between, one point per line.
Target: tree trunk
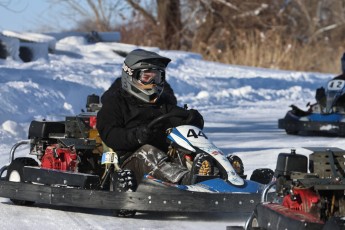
170	26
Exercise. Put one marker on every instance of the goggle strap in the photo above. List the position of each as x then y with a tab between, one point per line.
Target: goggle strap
147	87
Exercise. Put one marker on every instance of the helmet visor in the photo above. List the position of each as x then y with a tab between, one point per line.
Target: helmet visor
151	76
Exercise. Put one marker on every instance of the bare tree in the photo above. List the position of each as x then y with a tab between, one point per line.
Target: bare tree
14	7
267	33
164	22
100	15
169	18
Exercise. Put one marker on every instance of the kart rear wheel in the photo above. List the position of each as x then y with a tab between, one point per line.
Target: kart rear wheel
113	177
252	223
334	223
15	173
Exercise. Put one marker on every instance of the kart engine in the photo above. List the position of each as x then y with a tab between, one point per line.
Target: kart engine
302	199
70	145
60	158
310	192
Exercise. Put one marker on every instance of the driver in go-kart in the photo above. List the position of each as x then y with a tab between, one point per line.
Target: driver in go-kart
126	112
333	96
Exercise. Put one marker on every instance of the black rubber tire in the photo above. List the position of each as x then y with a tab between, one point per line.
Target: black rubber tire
25	54
236	163
234	228
3	50
15	174
291	132
253	223
334	223
262	175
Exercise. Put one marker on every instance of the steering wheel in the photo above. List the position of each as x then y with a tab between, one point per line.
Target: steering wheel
178	113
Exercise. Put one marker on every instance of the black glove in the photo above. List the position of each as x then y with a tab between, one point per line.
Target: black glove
320	93
143	134
320	96
195	118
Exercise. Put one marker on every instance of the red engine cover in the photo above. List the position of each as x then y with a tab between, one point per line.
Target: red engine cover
93	122
302	200
55	157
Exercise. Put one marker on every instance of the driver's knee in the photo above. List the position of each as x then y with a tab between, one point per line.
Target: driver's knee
145	160
150	154
171	172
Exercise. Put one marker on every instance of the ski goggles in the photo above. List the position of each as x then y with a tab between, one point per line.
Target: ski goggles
151	76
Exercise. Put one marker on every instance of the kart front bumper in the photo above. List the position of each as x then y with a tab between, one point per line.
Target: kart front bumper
293	124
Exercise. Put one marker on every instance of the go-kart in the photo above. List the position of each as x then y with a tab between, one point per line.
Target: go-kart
326	116
301	199
74	168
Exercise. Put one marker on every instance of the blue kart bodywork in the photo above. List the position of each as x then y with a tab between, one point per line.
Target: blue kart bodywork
216	185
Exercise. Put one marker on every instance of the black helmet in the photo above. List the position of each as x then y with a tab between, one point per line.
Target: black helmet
143	74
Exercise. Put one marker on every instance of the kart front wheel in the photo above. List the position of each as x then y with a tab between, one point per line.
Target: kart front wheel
15	173
291	132
237	164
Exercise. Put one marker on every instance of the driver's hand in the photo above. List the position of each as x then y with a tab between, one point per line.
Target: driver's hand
143	134
194	118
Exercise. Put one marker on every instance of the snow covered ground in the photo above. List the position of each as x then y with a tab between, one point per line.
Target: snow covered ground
241	106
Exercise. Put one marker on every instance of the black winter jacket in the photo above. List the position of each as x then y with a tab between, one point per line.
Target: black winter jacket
121	114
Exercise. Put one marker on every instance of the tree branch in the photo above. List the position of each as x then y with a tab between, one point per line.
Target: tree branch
228	4
137	7
254	12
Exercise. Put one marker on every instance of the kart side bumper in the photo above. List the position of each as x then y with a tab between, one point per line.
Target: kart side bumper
146	198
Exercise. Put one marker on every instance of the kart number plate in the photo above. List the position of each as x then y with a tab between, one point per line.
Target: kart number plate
336	85
109	158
